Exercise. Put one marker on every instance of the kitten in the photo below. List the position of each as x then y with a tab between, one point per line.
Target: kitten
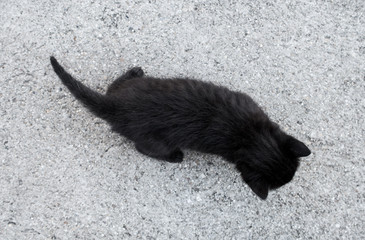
164	116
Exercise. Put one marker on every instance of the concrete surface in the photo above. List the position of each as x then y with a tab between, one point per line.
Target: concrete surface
64	175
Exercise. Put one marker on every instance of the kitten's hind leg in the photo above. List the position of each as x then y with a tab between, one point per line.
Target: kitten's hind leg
160	151
135	72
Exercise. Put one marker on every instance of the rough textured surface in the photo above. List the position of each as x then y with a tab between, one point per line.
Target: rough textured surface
64	175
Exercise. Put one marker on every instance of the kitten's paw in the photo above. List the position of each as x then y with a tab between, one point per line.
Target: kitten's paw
135	72
162	153
176	157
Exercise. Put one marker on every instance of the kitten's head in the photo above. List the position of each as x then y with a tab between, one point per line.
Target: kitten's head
269	159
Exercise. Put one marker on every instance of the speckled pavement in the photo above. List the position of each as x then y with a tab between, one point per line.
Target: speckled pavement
64	175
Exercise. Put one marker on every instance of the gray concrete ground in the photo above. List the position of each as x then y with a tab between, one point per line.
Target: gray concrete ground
64	175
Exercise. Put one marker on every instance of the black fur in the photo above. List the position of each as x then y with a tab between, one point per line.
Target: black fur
163	116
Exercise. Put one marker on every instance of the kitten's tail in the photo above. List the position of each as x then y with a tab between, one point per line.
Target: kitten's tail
101	105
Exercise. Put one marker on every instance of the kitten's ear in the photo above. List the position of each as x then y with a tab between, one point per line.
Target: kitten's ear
297	148
260	187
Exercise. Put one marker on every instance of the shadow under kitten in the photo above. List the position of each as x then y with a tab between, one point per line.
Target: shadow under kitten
164	116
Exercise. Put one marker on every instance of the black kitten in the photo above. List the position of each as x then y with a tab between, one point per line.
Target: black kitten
163	116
